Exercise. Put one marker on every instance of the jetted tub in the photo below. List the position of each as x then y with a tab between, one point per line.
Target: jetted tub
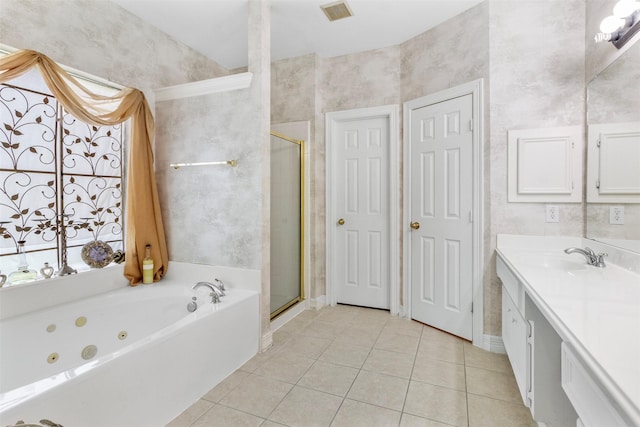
126	357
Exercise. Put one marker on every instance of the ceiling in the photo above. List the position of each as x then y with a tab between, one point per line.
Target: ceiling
218	28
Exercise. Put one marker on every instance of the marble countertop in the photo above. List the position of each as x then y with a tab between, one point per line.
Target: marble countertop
595	310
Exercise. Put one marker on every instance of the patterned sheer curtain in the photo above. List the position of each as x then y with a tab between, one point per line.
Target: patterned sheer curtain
143	217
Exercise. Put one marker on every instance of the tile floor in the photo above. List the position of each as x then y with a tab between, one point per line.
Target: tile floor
352	366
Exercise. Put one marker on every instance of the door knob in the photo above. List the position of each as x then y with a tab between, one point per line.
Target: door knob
415	225
341	221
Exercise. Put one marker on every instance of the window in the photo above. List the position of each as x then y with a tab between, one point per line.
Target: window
55	171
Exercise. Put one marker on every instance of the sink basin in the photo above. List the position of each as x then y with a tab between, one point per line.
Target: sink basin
555	262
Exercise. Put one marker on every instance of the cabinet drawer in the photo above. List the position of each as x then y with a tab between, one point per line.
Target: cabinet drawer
589	401
511	283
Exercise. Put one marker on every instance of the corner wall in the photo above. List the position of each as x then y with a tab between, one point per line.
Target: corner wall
219	215
102	38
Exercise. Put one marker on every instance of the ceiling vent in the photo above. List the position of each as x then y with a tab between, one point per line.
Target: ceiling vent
337	10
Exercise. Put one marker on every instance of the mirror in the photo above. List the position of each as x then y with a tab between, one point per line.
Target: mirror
613	97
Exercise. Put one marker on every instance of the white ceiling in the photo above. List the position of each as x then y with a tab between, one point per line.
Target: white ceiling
218	28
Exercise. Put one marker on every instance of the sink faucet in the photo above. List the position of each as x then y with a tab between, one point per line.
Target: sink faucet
216	292
592	258
219	284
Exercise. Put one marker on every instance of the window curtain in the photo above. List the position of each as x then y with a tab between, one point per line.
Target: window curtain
143	216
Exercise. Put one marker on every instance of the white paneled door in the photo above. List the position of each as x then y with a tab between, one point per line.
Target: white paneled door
361	192
441	154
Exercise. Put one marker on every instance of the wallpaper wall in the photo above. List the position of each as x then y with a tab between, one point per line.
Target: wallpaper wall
531	56
537	81
210	213
101	38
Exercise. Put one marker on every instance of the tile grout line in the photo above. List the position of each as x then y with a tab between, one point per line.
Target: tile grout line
308	388
415	356
357	375
466	384
290	336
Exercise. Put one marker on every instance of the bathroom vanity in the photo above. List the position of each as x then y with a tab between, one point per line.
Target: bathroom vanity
572	330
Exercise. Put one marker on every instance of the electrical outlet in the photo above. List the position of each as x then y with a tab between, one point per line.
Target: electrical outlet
553	213
616	215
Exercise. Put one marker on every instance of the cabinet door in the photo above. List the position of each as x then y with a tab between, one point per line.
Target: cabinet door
514	336
589	400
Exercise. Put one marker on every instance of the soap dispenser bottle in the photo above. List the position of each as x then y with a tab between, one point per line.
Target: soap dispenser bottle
147	266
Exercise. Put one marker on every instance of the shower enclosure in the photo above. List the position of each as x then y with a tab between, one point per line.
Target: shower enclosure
287	222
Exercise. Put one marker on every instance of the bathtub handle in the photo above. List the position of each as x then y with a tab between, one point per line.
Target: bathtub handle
192	306
215	298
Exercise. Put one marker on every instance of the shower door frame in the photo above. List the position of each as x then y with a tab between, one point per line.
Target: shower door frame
284	308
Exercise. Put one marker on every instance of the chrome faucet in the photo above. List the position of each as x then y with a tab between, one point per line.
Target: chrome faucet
216	292
592	258
219	284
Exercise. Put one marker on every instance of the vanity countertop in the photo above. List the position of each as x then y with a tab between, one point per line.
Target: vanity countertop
595	310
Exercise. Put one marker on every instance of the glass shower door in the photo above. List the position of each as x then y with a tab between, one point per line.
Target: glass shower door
287	172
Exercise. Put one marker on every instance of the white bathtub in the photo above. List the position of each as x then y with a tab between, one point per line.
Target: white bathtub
153	359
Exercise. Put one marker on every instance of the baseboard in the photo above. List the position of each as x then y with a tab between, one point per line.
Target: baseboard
493	344
266	342
318	302
288	315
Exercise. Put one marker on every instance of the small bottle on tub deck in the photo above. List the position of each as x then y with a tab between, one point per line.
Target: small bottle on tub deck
147	266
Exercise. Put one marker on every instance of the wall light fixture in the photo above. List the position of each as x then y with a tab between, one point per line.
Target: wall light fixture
622	25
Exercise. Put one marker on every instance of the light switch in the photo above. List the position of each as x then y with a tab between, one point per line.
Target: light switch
616	215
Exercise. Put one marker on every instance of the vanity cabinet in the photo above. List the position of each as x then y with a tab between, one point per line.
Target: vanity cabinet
569	331
533	348
515	329
591	403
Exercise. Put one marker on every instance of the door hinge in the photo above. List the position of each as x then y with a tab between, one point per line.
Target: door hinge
470	216
472	307
470	124
597	183
599	143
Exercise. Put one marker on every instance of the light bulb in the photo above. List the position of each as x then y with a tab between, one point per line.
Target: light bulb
611	24
625	8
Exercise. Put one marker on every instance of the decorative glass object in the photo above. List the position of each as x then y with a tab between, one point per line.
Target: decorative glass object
97	254
23	274
46	271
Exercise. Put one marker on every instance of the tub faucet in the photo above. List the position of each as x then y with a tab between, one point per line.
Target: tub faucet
216	293
592	258
220	287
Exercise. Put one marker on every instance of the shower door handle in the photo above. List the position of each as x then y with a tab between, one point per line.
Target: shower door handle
341	221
